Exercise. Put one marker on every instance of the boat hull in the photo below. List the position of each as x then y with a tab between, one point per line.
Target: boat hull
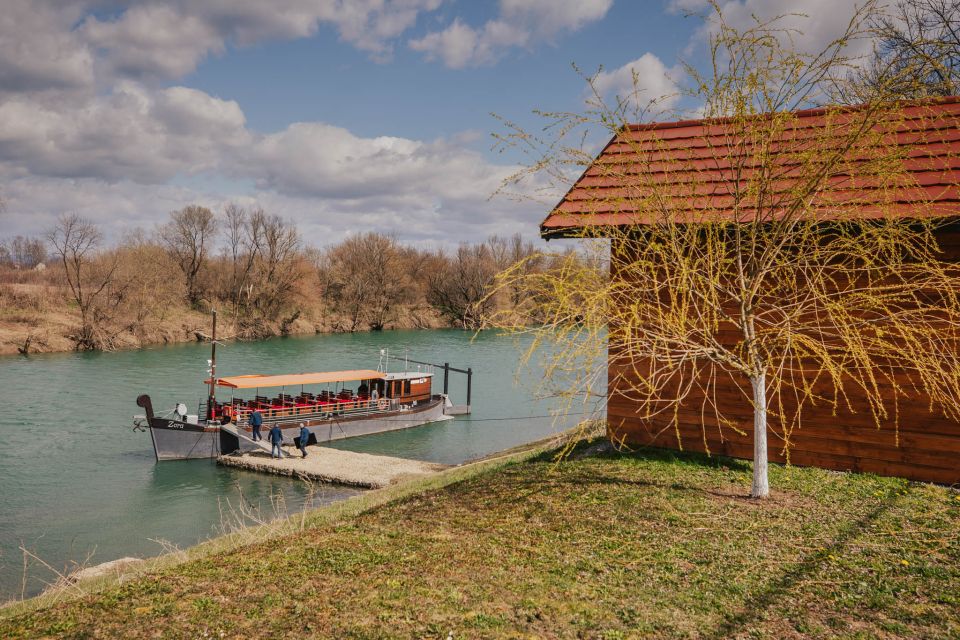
175	440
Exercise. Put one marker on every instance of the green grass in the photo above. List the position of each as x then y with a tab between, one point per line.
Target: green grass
601	546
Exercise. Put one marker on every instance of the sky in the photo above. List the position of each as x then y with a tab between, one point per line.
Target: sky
343	116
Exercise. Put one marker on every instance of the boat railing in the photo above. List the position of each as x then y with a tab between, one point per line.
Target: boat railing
355	406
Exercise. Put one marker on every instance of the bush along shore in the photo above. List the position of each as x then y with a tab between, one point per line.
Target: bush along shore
71	290
603	544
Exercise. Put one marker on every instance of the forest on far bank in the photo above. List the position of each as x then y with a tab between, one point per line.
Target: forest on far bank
70	290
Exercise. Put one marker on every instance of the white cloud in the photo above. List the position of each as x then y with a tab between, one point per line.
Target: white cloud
519	24
641	81
813	24
38	50
549	18
169	39
152	40
132	133
319	160
126	156
460	45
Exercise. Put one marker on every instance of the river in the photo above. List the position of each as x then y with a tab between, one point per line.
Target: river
80	486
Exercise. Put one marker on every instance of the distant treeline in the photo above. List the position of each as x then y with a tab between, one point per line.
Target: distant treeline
256	269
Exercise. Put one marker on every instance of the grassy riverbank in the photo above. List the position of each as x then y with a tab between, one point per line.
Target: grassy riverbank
604	545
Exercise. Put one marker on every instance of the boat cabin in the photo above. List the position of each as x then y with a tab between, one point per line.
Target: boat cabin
406	387
295	396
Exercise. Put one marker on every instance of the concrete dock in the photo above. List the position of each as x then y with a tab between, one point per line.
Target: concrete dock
324	464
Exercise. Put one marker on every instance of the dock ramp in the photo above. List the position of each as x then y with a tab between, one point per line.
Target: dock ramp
258	445
338	466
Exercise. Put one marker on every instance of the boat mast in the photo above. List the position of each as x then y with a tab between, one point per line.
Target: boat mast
212	396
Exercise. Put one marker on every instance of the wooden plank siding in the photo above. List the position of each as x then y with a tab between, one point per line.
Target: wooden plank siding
921	445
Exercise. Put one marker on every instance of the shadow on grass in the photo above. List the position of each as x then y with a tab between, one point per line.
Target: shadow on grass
655	454
754	607
593	450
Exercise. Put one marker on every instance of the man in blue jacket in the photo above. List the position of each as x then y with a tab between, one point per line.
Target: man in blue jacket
304	439
256	419
276	438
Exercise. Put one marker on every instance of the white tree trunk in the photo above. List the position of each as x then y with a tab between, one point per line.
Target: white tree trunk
761	487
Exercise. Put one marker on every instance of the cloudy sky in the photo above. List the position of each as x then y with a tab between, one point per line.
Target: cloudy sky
343	115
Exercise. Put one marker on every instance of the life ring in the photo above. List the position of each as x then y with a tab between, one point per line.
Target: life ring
382	403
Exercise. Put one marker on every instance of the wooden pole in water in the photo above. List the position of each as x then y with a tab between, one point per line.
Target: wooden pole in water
446	378
213	369
469	381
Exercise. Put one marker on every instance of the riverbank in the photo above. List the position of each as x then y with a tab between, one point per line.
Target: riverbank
76	585
37	318
603	545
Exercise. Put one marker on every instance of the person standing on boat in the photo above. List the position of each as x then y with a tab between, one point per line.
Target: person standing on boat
256	419
276	439
304	439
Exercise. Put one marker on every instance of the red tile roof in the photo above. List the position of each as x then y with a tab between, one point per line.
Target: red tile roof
704	169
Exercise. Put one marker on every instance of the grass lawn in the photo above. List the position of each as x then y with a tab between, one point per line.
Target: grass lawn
603	546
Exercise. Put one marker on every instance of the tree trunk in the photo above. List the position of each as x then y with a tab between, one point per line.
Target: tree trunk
761	487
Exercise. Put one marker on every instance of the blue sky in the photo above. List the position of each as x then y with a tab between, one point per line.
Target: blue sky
322	78
343	116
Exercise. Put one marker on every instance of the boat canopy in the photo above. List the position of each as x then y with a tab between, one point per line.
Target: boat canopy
257	381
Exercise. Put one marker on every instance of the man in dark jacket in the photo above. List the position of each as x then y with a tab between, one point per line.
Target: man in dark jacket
276	438
256	419
304	439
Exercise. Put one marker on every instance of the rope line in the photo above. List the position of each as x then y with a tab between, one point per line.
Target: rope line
336	419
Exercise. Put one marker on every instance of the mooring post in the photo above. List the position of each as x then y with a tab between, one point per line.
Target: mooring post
469	379
446	378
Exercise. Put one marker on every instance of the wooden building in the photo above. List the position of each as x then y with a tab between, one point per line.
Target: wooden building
611	192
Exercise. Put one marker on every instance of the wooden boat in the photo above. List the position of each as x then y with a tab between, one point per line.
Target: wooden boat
321	401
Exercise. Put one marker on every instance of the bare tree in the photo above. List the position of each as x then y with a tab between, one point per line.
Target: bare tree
148	286
27	252
367	279
917	53
277	265
76	242
243	232
188	237
460	289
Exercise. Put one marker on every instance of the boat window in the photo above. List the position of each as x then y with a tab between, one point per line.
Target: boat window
406	387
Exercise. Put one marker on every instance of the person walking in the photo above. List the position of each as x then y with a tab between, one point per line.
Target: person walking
256	420
276	439
304	439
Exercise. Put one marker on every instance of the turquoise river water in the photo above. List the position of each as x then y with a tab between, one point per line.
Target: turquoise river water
80	486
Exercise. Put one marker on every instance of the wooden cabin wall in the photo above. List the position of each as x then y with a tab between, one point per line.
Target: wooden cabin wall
421	390
928	447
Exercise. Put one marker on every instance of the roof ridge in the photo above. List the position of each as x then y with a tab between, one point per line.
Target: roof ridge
803	113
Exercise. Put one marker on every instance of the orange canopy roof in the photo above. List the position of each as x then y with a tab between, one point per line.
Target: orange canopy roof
702	169
296	379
